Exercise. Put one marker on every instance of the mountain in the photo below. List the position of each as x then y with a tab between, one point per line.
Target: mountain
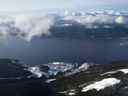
57	69
87	79
66	79
11	69
97	80
15	80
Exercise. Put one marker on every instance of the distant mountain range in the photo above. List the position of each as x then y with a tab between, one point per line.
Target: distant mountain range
63	79
67	79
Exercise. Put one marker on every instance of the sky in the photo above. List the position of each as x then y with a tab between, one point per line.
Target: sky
23	5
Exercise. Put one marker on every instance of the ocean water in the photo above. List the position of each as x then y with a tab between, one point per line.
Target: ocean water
45	50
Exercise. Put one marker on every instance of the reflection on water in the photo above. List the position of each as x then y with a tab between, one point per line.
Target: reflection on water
40	51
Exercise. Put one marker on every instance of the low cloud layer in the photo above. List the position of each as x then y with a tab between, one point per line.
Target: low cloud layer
98	19
33	26
27	26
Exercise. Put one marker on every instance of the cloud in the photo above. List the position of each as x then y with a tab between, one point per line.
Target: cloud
33	26
25	27
29	26
93	20
120	20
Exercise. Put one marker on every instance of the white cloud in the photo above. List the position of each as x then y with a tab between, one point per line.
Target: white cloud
25	27
33	26
89	19
29	26
120	20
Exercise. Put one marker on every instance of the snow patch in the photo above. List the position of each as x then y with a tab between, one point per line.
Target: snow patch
125	71
100	85
50	80
71	92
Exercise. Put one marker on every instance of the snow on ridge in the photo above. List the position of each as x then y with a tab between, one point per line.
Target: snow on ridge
81	68
56	67
100	85
84	67
50	80
125	71
36	71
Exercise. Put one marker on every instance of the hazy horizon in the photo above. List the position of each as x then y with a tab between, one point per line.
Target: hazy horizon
30	5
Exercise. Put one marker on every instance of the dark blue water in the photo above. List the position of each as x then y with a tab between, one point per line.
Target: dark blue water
40	51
